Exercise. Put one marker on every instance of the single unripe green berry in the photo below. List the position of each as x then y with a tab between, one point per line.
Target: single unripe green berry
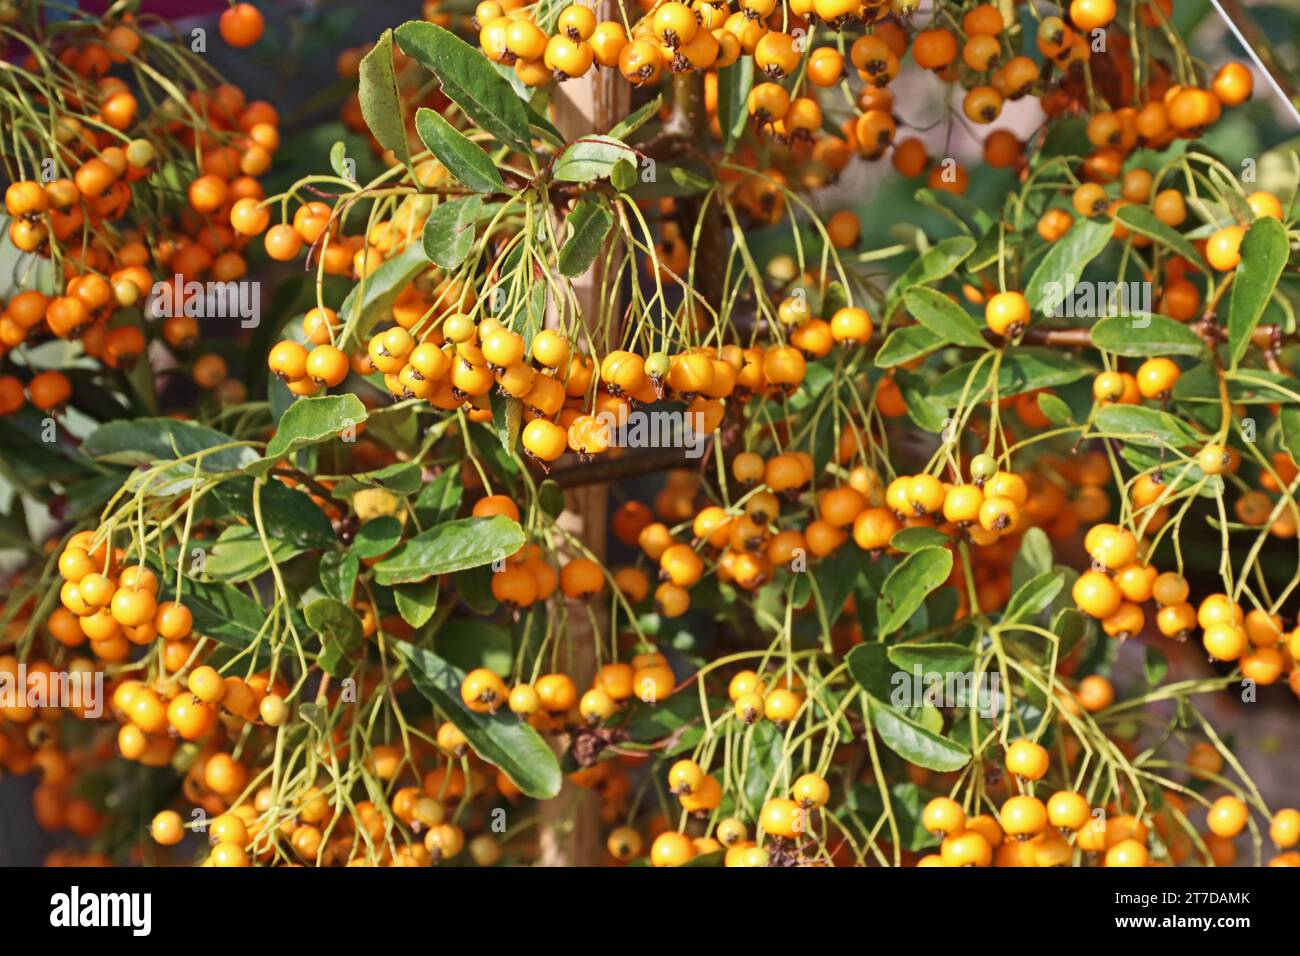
983	467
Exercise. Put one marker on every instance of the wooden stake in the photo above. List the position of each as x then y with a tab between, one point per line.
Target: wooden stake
569	834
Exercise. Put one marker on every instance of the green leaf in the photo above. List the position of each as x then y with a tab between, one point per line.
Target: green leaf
1264	254
507	417
944	317
1057	412
623	176
1141	336
914	539
501	739
1142	220
1290	419
377	537
932	658
1033	558
416	602
870	668
591	158
373	296
220	611
238	554
908	584
340	633
453	546
401	478
338	574
310	421
543	128
1032	597
463	158
589	223
551	498
915	743
449	231
288	514
1070	626
439	499
713	859
903	345
763	761
930	415
637	118
472	642
688	179
469	80
1026	369
734	84
146	441
1144	426
934	264
960	210
1062	268
475	589
381	101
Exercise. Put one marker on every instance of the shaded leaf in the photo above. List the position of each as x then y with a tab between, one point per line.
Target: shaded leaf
381	101
501	739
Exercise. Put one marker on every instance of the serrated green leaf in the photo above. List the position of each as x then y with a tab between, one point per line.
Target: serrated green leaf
914	743
1264	253
310	421
932	265
501	739
1026	369
449	231
906	588
1142	220
380	99
591	158
1062	267
589	223
1032	597
903	345
374	295
1142	425
417	602
1141	336
452	546
1056	411
870	668
463	158
914	539
339	629
469	80
734	83
944	317
338	574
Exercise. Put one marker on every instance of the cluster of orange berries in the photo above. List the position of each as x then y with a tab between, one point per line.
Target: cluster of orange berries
552	702
111	605
1030	832
312	831
1120	581
104	268
784	821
